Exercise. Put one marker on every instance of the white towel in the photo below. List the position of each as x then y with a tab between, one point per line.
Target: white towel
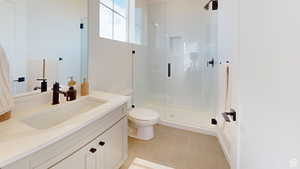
6	98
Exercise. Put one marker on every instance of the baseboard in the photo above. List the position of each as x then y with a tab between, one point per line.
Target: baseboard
223	146
202	130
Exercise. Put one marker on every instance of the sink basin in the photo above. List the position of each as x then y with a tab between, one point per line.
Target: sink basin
60	113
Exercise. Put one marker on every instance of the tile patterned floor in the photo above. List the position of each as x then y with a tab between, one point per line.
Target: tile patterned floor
178	149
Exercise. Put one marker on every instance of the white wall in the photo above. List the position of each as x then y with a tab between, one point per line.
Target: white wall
110	65
110	62
269	83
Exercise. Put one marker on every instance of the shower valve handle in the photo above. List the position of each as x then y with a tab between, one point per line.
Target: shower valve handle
232	113
211	62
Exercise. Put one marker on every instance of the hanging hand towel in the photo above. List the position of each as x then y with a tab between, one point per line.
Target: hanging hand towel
6	98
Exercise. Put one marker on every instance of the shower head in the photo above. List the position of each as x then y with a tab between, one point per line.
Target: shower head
214	5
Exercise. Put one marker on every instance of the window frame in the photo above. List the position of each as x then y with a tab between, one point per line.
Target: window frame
114	12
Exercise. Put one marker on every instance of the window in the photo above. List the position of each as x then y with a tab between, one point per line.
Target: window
113	19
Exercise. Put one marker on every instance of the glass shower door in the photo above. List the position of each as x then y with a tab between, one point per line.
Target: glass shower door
171	69
157	60
191	78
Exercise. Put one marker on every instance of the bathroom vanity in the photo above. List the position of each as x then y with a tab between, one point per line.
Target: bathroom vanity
89	133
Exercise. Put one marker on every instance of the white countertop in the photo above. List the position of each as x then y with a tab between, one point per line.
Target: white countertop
17	140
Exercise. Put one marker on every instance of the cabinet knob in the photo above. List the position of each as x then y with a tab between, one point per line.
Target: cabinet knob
93	150
101	143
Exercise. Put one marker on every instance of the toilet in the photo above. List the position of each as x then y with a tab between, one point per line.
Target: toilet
141	123
141	120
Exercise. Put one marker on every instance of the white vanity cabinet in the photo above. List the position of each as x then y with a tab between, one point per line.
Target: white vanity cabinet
103	144
83	159
105	152
112	145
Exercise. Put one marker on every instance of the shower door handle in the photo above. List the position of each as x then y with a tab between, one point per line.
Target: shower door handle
169	69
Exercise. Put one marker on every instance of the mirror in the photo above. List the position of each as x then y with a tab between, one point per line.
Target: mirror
54	31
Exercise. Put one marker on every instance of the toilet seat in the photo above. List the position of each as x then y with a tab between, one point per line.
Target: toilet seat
143	114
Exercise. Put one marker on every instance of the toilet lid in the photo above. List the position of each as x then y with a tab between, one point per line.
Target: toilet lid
144	114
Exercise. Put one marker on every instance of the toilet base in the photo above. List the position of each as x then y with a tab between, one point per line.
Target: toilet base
143	133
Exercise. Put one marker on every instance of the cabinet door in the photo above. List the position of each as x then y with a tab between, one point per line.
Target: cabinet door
112	145
85	158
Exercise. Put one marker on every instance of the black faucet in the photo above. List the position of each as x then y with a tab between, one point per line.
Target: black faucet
56	92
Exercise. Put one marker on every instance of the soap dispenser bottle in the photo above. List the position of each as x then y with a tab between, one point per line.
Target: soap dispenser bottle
71	93
84	88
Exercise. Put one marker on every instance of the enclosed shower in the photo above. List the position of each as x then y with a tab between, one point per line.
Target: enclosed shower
175	60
